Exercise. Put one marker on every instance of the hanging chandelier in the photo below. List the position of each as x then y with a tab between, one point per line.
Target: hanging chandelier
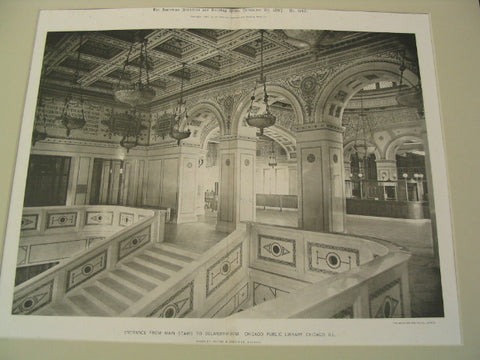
272	158
409	96
73	114
179	116
127	125
363	133
256	118
136	92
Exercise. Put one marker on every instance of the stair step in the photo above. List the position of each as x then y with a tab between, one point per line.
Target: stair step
173	247
147	270
133	279
121	289
106	298
160	262
171	254
87	306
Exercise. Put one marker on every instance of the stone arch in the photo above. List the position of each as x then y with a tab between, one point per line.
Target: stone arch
209	106
331	102
393	146
273	90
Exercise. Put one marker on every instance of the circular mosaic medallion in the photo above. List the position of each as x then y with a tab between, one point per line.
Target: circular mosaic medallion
135	241
225	268
247	162
189	165
227	162
62	219
28	304
333	260
335	158
308	84
170	311
100	217
87	269
276	249
311	158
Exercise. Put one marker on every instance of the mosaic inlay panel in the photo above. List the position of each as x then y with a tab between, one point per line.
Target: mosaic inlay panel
29	222
133	242
22	255
387	302
61	220
126	219
262	293
34	300
344	314
99	218
223	269
178	305
234	303
277	250
331	259
86	270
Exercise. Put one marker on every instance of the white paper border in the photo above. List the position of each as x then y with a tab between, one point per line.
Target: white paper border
409	331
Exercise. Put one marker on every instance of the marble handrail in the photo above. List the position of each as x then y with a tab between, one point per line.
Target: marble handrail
54	283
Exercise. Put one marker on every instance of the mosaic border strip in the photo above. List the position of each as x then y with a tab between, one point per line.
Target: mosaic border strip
294	250
171	298
209	291
310	245
384	289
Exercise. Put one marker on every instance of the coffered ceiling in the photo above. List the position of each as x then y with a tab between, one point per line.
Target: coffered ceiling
210	56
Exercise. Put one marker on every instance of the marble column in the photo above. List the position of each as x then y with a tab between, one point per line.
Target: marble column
236	156
321	190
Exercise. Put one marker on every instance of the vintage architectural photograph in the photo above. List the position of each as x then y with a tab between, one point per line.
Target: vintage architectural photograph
242	173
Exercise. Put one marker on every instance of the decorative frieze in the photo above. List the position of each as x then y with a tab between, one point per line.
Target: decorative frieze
34	300
86	270
61	220
133	242
276	249
99	218
178	305
29	222
387	302
223	269
331	259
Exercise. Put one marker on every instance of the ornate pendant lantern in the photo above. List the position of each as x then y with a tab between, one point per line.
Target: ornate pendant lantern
137	92
127	125
272	158
260	119
73	114
40	117
363	133
180	116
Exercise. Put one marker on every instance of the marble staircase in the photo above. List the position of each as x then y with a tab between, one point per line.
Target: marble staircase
112	293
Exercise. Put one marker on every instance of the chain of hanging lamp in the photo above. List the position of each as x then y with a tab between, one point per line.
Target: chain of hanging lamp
70	117
180	115
254	118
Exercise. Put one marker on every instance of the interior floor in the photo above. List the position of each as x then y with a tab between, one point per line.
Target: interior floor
424	273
